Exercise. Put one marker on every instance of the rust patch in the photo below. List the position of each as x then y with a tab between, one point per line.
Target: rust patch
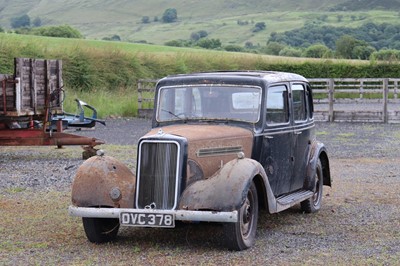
222	140
99	176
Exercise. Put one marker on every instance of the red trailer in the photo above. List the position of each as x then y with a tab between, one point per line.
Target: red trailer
28	101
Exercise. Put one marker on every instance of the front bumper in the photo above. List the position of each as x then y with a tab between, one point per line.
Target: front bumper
180	215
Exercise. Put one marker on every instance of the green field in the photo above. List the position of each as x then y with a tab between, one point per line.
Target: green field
101	18
105	74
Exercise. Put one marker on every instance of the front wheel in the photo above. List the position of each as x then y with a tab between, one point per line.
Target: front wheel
241	234
313	204
100	230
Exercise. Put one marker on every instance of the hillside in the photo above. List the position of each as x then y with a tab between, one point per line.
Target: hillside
219	18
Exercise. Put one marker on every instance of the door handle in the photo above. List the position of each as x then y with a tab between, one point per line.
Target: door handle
298	132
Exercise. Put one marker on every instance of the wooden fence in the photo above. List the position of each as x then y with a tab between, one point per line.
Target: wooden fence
342	100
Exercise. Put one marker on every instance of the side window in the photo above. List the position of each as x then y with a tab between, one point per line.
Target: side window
277	105
299	102
310	103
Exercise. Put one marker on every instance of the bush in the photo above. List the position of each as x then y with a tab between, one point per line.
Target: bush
209	43
233	48
64	31
259	27
386	55
114	38
145	19
290	51
177	43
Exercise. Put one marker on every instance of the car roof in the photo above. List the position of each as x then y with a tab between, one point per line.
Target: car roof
269	76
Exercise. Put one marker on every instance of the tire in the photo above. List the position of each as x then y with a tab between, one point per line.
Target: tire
100	230
313	204
241	235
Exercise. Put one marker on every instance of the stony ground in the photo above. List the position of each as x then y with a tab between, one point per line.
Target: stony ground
357	225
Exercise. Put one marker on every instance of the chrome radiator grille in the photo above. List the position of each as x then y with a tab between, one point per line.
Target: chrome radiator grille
158	170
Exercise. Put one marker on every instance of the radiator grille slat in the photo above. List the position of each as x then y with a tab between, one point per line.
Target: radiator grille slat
157	178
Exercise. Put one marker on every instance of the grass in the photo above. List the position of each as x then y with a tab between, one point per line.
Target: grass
107	103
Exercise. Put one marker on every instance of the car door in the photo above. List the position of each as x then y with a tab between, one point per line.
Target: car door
303	125
276	152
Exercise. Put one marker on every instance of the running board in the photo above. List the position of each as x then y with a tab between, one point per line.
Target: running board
287	201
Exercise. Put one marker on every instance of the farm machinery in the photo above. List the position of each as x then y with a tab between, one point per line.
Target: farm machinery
31	108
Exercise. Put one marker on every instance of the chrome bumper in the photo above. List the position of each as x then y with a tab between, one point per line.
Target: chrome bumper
180	215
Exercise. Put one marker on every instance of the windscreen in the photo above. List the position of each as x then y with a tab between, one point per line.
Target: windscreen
238	103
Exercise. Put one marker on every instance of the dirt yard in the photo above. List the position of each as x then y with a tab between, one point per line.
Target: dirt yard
358	224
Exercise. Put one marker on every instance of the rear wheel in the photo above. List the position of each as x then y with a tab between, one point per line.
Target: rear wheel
313	204
241	234
100	230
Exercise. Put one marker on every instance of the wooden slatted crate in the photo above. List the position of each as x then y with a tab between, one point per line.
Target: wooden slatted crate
35	84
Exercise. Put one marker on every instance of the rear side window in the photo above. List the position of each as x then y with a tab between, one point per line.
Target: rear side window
277	105
299	102
310	103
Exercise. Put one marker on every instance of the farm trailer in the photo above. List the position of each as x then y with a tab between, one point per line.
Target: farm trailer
28	100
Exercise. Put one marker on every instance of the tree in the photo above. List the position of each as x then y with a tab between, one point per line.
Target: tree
259	26
145	19
37	22
1	29
202	33
290	51
249	45
22	21
363	52
345	47
316	51
170	15
273	48
195	36
115	38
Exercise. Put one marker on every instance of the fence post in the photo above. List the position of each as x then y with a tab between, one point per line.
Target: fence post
331	99
139	94
385	99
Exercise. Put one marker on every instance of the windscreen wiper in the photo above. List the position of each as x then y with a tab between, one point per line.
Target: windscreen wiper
176	115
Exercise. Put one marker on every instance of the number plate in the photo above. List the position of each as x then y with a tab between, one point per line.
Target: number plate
147	219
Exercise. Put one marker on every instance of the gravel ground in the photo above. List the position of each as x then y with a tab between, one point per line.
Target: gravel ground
357	225
44	167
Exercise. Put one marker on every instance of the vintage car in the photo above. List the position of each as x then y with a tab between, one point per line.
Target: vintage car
223	145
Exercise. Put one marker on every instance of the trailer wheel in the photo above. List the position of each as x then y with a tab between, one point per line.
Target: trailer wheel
100	230
241	235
